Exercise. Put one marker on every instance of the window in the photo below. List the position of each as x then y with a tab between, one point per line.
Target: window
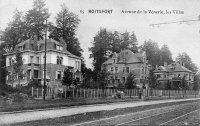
78	65
36	73
61	48
59	60
127	69
37	60
10	61
58	47
32	47
116	69
21	48
112	69
114	60
9	76
58	76
124	69
31	59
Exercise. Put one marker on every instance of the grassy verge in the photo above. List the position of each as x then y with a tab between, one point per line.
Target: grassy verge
32	104
40	104
68	120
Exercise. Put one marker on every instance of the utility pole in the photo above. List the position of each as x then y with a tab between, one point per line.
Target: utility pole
45	50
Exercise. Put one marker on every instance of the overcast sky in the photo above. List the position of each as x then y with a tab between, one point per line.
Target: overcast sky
180	38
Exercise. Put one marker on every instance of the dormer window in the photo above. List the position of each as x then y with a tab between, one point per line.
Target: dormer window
59	47
21	48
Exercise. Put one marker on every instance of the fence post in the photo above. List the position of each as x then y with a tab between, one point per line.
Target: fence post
32	91
37	92
84	92
73	92
65	90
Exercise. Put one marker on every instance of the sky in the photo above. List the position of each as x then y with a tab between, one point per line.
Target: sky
180	37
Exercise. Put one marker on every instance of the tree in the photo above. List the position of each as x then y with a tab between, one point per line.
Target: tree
106	42
67	77
129	42
196	82
15	32
166	55
153	83
102	77
185	59
152	51
66	25
3	70
184	84
100	49
130	83
35	19
18	66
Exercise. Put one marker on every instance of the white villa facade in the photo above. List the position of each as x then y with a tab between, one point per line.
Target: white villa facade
58	59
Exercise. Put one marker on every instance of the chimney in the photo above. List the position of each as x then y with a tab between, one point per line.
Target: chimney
165	64
64	43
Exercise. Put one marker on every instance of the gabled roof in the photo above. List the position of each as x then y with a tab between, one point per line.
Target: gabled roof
174	67
125	56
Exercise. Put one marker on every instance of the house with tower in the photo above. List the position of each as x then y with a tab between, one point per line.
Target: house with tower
120	65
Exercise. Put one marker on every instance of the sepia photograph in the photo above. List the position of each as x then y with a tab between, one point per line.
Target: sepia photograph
99	62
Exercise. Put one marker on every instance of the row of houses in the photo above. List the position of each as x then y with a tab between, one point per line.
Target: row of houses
120	65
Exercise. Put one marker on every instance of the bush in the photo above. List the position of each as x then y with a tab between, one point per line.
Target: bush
18	97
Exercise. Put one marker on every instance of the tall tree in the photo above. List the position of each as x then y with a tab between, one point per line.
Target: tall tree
107	42
18	66
100	49
66	25
15	32
129	41
153	52
115	42
166	55
185	59
35	19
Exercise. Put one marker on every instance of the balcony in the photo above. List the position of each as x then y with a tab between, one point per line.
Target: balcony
176	79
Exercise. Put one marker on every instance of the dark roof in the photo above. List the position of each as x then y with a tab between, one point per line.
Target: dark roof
126	56
50	43
174	67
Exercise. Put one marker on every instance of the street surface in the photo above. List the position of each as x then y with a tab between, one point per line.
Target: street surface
184	114
12	118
